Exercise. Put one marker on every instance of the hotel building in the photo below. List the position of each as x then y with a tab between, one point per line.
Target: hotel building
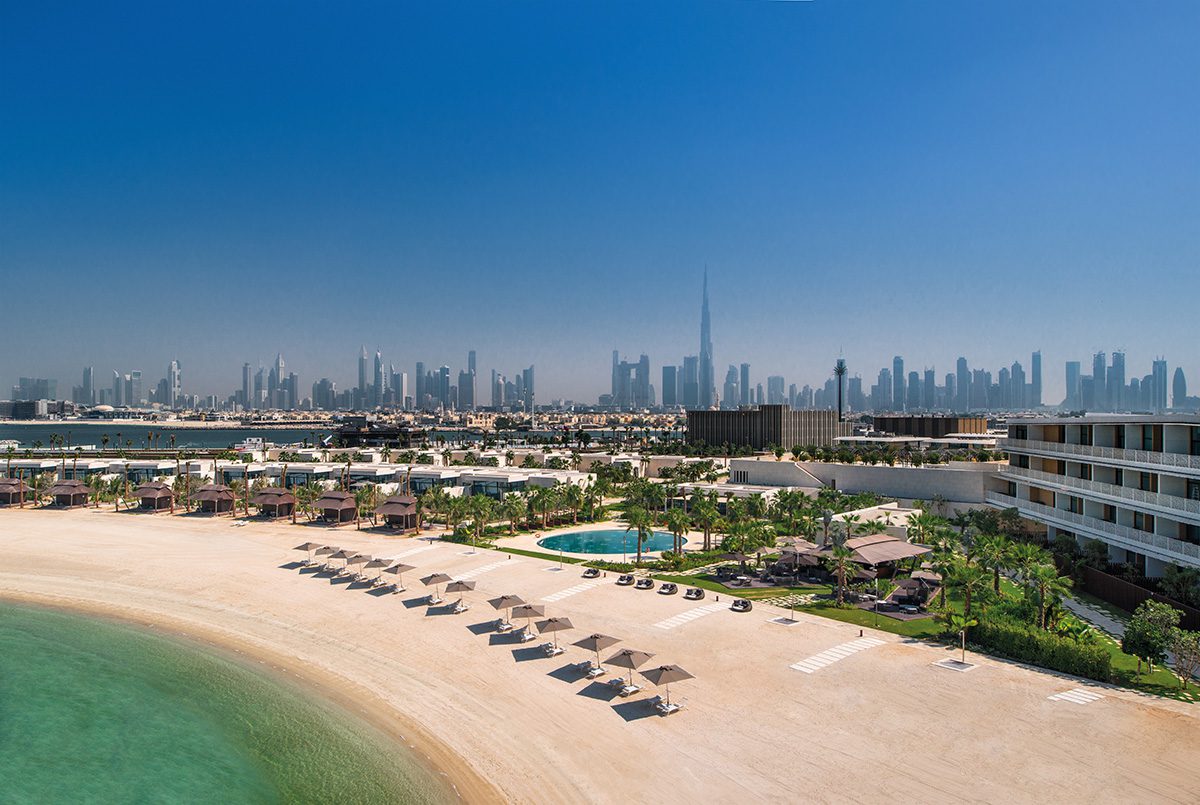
1132	482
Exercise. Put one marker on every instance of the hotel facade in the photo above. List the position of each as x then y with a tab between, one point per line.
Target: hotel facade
1132	482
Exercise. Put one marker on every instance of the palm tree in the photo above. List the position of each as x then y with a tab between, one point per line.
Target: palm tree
706	515
483	509
678	524
992	552
960	624
573	499
840	560
514	507
638	519
967	579
1050	587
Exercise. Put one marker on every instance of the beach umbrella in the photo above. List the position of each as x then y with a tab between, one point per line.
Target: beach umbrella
433	580
399	568
554	626
666	674
528	612
377	564
344	555
358	559
597	643
460	586
507	602
629	658
325	550
308	547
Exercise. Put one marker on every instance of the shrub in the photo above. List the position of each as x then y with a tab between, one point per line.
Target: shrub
1025	643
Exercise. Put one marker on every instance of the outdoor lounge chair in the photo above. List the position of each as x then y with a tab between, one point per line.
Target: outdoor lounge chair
644	584
693	594
666	708
628	689
460	606
551	650
668	588
625	580
592	573
742	605
434	600
395	588
526	635
503	626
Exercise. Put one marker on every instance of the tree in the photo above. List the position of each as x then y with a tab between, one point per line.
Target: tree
960	624
991	553
1148	633
514	508
483	509
639	520
678	524
1050	587
969	580
1185	646
840	562
706	515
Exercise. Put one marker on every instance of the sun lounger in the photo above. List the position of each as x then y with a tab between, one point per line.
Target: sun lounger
434	600
644	584
625	580
526	635
460	606
595	672
694	594
591	573
628	690
504	627
741	605
665	708
551	650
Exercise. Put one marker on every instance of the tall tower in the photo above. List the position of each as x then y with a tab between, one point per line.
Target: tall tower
362	373
174	385
1034	398
708	390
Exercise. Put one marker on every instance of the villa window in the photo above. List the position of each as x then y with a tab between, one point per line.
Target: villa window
1143	522
1148	482
1109	514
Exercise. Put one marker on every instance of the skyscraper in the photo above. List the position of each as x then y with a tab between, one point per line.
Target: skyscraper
689	383
775	390
1099	382
529	390
1179	389
929	391
247	401
362	374
174	386
419	387
707	381
670	386
89	386
1158	394
379	387
729	392
1035	381
898	396
1074	399
1115	383
962	386
744	385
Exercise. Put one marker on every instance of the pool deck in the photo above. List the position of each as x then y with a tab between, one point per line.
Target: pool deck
529	542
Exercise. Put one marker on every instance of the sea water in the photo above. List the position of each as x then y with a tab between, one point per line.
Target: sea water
97	711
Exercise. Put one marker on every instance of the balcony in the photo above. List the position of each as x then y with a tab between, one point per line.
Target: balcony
1176	463
1164	548
1171	505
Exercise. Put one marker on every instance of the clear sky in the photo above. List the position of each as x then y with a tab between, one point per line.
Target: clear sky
545	182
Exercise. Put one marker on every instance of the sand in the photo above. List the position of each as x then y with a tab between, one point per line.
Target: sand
506	723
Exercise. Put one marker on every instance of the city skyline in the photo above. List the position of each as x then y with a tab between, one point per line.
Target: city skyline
559	195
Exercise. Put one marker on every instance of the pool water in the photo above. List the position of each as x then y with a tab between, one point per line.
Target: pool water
607	540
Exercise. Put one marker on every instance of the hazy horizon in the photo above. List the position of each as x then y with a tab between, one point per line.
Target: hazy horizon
546	183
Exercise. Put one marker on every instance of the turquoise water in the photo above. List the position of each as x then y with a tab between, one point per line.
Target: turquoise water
607	541
93	711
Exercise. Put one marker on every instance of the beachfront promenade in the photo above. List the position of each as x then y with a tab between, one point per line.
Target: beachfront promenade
803	712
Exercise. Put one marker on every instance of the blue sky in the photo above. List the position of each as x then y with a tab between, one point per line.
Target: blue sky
545	182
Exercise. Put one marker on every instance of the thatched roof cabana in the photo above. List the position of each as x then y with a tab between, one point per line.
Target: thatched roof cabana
69	493
214	498
274	501
154	496
337	507
399	511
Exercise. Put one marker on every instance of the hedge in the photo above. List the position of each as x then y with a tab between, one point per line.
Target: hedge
1026	643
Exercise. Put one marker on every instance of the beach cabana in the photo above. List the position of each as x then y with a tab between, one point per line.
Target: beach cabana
68	494
399	511
12	490
213	499
274	501
154	496
337	507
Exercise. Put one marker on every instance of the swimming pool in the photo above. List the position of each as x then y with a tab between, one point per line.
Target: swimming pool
607	540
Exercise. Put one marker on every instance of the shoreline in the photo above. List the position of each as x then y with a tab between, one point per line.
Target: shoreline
492	712
360	704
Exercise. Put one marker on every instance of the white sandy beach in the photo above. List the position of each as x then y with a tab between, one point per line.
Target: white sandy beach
506	723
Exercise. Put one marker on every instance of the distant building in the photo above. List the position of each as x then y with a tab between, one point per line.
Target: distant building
765	425
930	427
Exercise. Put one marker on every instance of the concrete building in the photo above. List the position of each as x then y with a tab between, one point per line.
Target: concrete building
962	484
1132	482
930	427
765	425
